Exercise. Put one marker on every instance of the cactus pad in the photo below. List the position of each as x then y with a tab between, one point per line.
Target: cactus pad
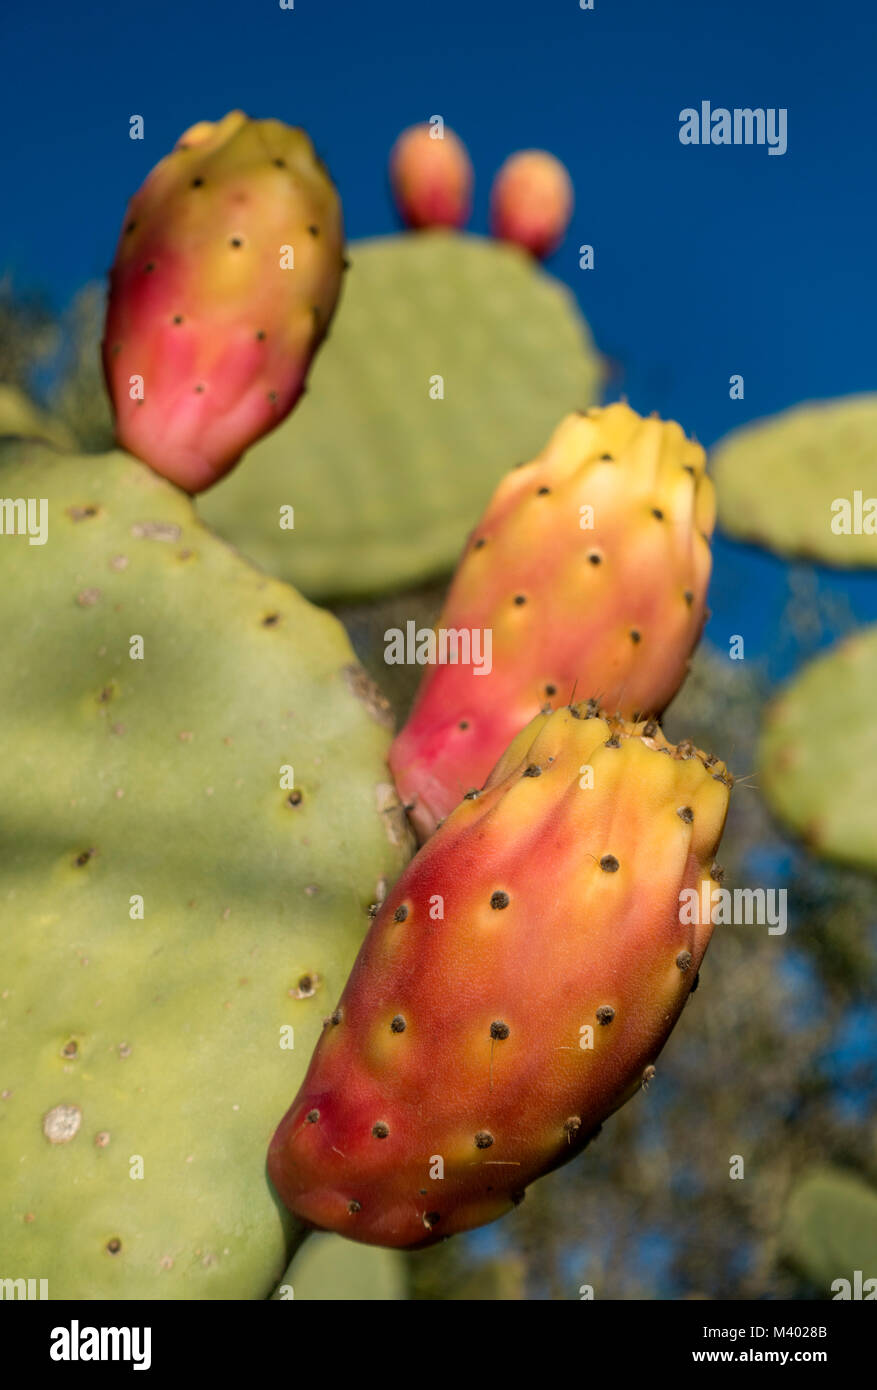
151	1044
776	480
385	481
829	1228
818	752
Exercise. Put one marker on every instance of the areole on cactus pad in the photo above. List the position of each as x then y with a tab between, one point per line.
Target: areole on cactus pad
587	575
226	276
515	987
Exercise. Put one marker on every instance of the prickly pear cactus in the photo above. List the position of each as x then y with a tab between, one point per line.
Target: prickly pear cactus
790	482
384	473
817	773
171	899
829	1231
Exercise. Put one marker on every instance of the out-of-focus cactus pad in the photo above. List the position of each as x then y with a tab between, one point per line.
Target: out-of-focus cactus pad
158	1038
384	479
819	750
829	1228
776	480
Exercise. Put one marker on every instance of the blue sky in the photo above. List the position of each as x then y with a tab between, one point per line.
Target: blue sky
709	261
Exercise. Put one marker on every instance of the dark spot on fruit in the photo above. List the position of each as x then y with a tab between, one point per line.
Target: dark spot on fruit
517	1198
695	983
609	864
150	266
551	690
294	798
542	491
717	873
130	227
430	1219
635	636
650	729
235	241
657	513
607	458
199	389
499	900
612	742
380	1130
499	1031
178	318
312	1116
683	960
260	336
314	231
272	396
353	1207
533	770
463	724
689	597
197	183
605	1014
689	468
113	1246
335	1018
82	859
281	163
572	1125
519	599
483	1139
479	543
398	1024
471	795
594	557
400	914
70	1049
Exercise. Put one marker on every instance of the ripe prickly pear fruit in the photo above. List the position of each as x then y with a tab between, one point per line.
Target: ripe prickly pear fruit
531	201
515	987
587	573
431	177
226	276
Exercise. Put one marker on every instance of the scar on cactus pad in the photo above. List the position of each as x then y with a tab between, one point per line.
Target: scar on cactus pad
515	987
226	276
589	569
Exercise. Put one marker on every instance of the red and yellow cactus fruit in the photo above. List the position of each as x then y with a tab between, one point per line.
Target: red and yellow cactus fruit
515	987
431	177
589	571
531	202
225	280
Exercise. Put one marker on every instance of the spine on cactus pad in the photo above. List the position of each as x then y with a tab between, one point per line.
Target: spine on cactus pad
586	576
516	985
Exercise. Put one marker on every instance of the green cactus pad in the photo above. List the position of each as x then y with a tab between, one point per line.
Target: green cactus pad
829	1228
386	482
818	752
20	418
776	480
331	1269
157	1041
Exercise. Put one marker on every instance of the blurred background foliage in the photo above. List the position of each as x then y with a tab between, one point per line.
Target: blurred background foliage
774	1060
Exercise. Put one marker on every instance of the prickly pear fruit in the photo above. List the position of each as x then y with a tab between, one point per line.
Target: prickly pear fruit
431	177
226	276
589	573
531	201
515	987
